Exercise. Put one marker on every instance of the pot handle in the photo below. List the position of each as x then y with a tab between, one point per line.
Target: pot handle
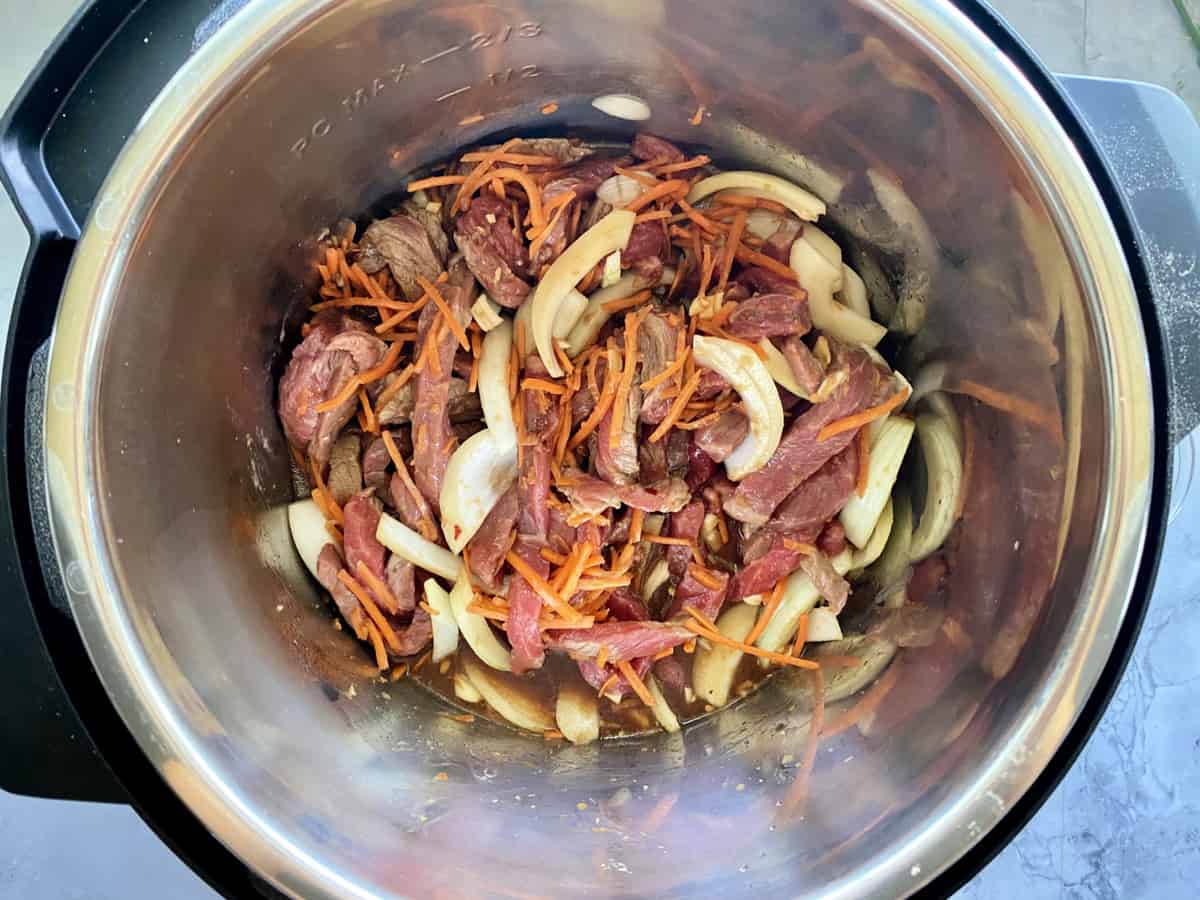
1149	138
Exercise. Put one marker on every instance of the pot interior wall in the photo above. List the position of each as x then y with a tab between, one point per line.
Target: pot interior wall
193	469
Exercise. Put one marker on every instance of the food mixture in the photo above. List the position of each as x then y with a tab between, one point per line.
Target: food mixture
598	438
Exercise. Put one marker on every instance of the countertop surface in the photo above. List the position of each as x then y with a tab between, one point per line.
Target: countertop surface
1125	821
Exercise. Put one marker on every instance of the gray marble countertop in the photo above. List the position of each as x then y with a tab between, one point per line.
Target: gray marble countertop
1125	821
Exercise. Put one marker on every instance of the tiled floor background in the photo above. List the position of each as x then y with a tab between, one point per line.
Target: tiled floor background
51	850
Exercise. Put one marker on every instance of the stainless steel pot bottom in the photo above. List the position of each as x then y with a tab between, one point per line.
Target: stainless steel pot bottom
168	470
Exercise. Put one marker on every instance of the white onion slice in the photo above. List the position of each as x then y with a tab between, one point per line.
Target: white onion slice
609	234
888	571
464	690
478	474
509	696
879	538
820	278
309	534
716	664
763	223
493	385
475	628
943	479
749	376
760	184
828	248
854	292
445	627
860	514
585	330
422	553
619	190
661	708
486	312
781	370
823	626
612	269
572	308
800	595
577	713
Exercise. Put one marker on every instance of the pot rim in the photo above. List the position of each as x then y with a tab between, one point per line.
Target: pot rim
1018	112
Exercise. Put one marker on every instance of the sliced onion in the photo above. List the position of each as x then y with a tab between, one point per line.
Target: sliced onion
873	656
860	514
828	248
611	273
879	539
661	708
422	553
781	370
760	184
577	713
464	690
609	234
943	479
800	595
478	474
939	403
655	579
763	223
572	308
854	292
486	312
620	190
493	385
749	376
445	627
819	277
888	571
509	696
823	626
309	534
716	664
585	330
475	628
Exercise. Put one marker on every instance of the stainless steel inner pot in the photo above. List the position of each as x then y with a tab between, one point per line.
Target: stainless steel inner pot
168	472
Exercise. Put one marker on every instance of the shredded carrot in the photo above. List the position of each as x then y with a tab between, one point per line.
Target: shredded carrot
564	360
394	388
602	656
636	520
706	270
698	115
866	417
768	611
421	662
372	424
371	609
574	574
512	159
668	372
378	585
333	531
410	309
436	181
370	302
699	218
867	704
689	646
629	369
381	657
635	682
732	242
324	491
653	216
541	587
731	198
699	423
347	391
613	306
801	635
609	682
864	462
429	609
426	527
561	202
705	577
555	559
451	320
542	384
676	408
663	654
694	163
670	541
476	178
753	257
537	214
710	633
366	282
607	394
643	178
665	189
798	547
1012	404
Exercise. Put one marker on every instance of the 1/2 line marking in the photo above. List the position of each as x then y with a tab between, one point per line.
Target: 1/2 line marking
454	93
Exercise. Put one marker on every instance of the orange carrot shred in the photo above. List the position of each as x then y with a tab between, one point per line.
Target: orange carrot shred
732	242
370	424
665	189
608	683
668	372
613	306
378	585
476	352
676	408
451	320
632	320
753	257
436	181
866	417
381	657
602	656
864	461
371	609
635	682
705	577
768	611
394	388
801	635
340	397
607	394
798	547
710	633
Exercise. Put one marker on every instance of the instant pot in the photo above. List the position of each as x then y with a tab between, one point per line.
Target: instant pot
174	162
